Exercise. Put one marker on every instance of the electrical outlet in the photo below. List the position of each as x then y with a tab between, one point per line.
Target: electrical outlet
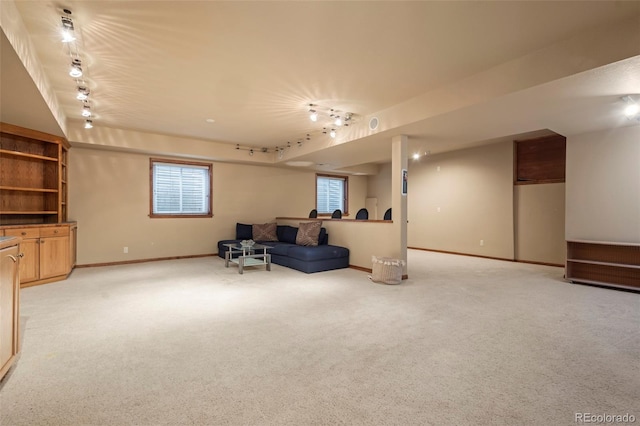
125	249
482	242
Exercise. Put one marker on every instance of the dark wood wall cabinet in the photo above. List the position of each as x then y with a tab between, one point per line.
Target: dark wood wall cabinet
540	160
604	263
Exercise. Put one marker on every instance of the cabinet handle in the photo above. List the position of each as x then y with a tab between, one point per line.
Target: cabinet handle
55	232
41	241
13	258
23	233
21	255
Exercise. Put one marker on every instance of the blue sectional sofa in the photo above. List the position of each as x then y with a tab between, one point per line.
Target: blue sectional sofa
286	252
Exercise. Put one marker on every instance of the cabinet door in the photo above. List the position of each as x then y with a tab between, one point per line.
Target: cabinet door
54	256
8	264
73	244
30	262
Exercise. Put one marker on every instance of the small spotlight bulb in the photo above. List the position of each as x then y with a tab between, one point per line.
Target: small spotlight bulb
631	110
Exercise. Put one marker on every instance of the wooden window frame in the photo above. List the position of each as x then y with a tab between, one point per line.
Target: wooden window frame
209	168
346	193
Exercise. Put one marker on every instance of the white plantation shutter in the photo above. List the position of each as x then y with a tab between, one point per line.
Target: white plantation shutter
330	193
180	189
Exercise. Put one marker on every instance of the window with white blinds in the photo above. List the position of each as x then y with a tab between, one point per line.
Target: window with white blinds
331	194
180	189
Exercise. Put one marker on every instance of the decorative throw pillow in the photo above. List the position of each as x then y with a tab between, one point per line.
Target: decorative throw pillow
265	232
287	234
243	231
308	233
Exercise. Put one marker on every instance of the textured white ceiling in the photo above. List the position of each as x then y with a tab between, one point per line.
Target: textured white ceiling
167	66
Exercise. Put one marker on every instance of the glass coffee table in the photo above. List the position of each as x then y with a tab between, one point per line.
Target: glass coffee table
254	255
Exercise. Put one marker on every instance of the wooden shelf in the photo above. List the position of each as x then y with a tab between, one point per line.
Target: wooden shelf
604	263
17	188
29	212
593	262
22	154
31	176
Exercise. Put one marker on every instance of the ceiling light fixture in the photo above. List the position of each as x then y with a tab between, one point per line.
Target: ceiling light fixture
83	93
338	121
76	68
632	110
332	133
68	34
313	114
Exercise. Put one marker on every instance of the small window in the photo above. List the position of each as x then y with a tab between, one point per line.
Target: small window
332	194
180	189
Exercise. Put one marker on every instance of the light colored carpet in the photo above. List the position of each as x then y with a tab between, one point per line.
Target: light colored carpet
464	341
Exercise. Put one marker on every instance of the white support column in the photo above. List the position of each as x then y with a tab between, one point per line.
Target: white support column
399	167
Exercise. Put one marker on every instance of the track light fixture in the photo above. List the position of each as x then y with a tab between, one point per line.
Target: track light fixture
83	93
313	114
76	68
632	110
76	71
68	34
333	118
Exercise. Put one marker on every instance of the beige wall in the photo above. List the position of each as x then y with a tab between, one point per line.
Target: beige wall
539	219
458	198
357	194
603	186
379	187
109	197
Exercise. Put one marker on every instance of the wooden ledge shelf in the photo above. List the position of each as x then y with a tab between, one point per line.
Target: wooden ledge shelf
27	155
29	212
330	219
23	189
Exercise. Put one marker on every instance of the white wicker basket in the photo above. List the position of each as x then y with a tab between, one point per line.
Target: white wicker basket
386	270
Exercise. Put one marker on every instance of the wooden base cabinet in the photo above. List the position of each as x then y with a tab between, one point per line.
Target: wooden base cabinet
604	263
9	302
47	251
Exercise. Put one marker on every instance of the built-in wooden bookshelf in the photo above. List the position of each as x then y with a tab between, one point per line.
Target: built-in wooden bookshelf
33	170
604	263
33	203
